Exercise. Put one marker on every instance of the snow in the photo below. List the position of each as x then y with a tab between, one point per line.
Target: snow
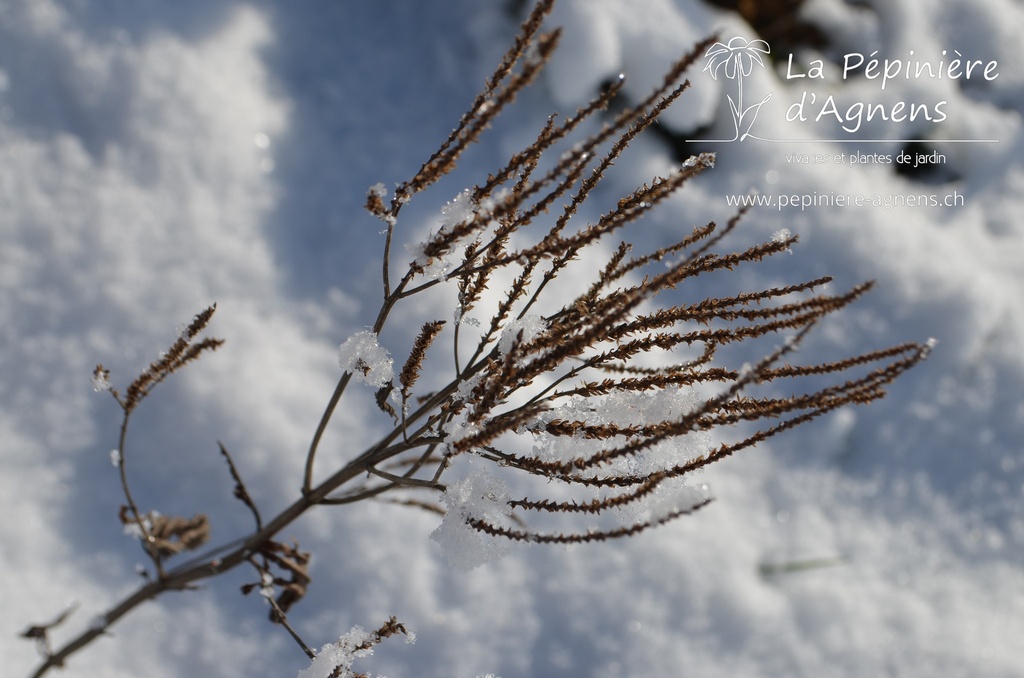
366	360
522	331
340	654
334	660
460	209
158	157
482	496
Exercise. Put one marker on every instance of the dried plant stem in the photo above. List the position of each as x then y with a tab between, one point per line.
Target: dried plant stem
615	397
180	579
339	390
135	514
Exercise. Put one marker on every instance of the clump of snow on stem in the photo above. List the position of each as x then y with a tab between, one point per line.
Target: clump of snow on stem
101	381
366	359
336	659
635	409
267	586
481	496
704	160
459	210
782	235
133	529
459	427
465	319
521	330
624	408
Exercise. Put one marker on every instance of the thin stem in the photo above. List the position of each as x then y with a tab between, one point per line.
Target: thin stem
147	538
307	481
387	258
182	577
402	481
279	616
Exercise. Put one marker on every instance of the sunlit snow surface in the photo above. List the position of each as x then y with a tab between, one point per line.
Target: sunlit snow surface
156	157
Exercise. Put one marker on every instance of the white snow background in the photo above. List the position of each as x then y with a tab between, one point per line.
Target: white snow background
156	157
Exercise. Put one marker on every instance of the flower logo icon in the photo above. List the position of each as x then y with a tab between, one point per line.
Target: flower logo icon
736	60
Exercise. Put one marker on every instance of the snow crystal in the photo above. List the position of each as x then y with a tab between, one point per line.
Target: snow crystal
132	529
531	327
781	236
100	381
465	319
484	107
466	386
631	409
340	654
669	497
115	457
704	160
458	427
379	190
366	359
267	585
434	268
624	409
460	209
479	495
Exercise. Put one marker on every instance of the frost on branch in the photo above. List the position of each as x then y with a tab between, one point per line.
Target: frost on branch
366	359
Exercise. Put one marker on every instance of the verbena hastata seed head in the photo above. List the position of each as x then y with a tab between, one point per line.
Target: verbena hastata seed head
602	395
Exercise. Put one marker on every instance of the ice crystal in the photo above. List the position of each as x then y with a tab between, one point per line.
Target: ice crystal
366	359
481	496
522	330
101	380
267	585
335	659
